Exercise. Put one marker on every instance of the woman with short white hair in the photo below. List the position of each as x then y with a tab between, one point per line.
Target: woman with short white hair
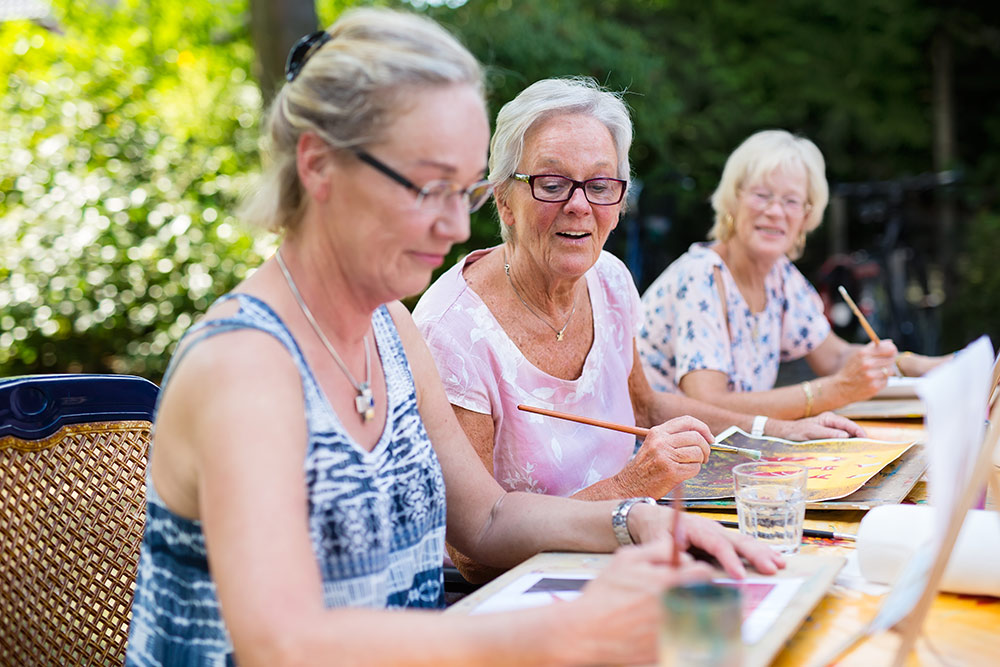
720	319
549	319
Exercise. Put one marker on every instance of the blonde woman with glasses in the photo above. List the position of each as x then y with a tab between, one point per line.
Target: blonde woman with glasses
306	463
722	317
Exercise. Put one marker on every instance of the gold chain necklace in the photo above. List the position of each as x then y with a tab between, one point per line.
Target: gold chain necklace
364	402
559	332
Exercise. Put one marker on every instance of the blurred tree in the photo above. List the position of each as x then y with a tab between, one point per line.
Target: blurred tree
276	25
124	145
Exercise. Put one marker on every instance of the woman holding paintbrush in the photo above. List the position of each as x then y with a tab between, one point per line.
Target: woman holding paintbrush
549	319
721	318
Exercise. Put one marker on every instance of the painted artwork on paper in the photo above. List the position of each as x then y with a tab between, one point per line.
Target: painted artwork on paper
836	468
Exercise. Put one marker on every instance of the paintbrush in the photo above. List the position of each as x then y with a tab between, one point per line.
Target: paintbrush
678	531
864	322
634	430
807	532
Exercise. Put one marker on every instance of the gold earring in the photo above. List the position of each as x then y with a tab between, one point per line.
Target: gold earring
728	220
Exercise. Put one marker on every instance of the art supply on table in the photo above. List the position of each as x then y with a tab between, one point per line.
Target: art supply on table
889	536
701	626
637	431
771	503
806	532
960	465
837	467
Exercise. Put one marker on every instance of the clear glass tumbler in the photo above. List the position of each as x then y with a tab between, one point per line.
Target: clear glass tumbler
770	502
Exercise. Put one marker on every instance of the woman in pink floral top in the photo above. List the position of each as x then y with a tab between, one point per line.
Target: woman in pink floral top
772	193
549	319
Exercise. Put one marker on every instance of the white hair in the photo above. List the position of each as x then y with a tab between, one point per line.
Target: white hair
544	99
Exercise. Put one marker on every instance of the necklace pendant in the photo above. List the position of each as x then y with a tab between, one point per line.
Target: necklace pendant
559	335
364	403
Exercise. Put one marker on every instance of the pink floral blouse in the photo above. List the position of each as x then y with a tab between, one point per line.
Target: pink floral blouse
485	372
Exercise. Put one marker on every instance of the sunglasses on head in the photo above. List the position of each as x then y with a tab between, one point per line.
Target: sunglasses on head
301	51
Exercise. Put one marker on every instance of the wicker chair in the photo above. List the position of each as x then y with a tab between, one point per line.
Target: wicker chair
72	506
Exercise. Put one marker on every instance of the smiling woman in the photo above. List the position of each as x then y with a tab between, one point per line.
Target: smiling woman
721	318
306	463
549	318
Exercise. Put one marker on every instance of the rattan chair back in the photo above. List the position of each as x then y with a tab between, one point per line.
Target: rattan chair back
72	506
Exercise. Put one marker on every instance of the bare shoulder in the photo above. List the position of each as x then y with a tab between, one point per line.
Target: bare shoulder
230	394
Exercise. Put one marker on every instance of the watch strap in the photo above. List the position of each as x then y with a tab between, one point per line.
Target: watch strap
619	518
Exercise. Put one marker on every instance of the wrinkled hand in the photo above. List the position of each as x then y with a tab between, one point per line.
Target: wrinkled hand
670	454
866	372
823	426
617	618
649	523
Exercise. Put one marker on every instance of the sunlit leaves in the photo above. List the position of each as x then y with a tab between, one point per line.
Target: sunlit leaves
125	144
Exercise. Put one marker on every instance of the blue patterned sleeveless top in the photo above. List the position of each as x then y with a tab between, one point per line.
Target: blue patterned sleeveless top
376	519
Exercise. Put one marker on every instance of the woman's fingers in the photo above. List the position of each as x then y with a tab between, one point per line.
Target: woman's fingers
686	423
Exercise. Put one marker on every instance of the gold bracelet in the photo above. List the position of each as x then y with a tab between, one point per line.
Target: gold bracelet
807	388
900	356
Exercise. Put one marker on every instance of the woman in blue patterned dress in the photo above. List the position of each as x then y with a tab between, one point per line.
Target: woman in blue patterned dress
304	446
772	193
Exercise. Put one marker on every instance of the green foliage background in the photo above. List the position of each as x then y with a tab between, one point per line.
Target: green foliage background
124	146
126	142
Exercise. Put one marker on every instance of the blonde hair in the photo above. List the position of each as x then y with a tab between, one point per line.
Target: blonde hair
348	92
760	155
544	99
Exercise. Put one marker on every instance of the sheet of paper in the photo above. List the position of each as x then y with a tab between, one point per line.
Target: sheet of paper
837	467
900	387
955	394
534	590
763	598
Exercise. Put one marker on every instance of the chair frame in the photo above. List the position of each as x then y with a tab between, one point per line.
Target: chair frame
73	453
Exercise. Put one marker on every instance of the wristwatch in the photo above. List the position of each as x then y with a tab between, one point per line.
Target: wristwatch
619	518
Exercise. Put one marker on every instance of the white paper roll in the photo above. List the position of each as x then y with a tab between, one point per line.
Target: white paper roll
890	534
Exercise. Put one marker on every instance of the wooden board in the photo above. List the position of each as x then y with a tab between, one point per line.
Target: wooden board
817	571
888	408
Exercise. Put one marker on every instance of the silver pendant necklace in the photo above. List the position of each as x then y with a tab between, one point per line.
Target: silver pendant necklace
559	332
364	402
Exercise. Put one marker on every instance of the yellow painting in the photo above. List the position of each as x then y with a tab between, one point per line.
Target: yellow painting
837	468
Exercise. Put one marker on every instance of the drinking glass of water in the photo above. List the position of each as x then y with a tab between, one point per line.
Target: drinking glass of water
771	503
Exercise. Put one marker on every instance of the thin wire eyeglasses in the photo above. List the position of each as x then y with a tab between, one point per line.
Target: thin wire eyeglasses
434	194
761	200
555	188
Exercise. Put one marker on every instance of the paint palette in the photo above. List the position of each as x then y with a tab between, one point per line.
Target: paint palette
855	473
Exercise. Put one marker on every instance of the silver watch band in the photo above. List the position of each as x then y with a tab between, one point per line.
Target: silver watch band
619	518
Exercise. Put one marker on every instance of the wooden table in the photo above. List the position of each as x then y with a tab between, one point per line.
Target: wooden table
959	630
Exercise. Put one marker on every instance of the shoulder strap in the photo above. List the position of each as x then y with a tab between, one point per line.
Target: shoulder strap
722	301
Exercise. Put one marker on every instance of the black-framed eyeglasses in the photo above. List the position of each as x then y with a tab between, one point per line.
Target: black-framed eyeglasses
433	195
301	51
555	188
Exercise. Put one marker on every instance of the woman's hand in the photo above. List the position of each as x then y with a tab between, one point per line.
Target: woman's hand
653	523
617	618
670	454
865	372
824	426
